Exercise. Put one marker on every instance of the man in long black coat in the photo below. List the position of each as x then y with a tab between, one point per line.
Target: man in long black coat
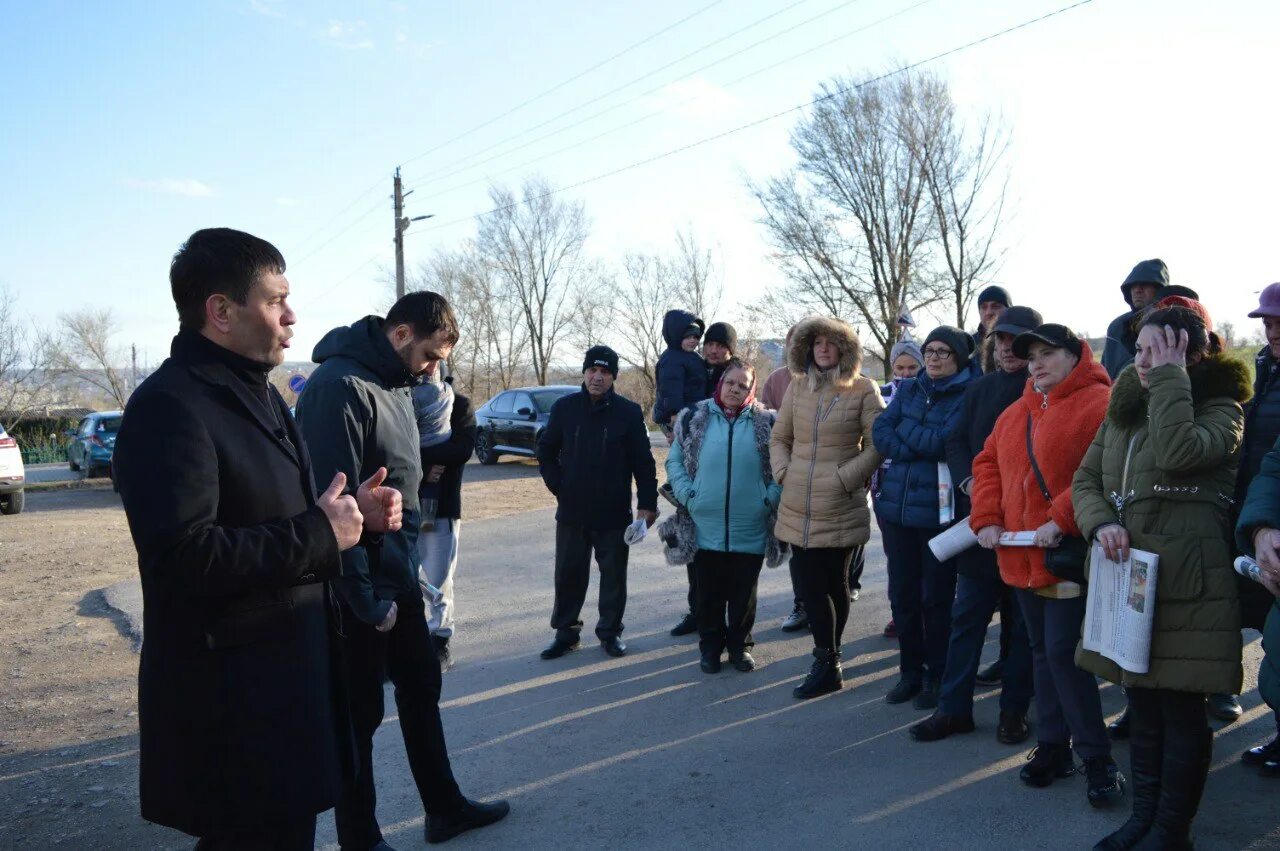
242	719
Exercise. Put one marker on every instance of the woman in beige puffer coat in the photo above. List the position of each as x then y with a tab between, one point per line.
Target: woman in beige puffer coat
822	455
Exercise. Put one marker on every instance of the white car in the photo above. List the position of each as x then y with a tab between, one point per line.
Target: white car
13	476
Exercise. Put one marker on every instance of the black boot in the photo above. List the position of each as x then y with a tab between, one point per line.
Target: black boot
1182	778
1047	762
824	675
1145	769
441	827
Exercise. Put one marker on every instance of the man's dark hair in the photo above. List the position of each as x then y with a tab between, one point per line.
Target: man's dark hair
425	312
218	261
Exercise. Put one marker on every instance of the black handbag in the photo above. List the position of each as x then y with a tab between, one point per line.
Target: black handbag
1065	561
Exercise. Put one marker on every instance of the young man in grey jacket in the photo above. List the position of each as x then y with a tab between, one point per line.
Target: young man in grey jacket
357	415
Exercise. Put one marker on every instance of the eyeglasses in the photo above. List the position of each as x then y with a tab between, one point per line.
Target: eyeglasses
938	354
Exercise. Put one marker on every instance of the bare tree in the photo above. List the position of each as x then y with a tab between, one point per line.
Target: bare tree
648	290
693	275
85	350
25	363
967	185
536	245
852	225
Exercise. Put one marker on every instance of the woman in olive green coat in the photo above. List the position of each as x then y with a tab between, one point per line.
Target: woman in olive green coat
1159	477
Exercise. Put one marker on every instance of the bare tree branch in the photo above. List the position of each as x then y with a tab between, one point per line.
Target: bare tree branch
26	355
86	350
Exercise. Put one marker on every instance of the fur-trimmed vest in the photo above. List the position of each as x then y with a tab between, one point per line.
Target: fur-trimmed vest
1166	455
721	510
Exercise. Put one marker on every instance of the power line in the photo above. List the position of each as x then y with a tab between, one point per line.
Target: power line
564	83
766	119
664	110
310	236
616	89
377	205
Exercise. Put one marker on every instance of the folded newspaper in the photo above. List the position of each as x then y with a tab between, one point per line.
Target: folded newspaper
1121	607
960	537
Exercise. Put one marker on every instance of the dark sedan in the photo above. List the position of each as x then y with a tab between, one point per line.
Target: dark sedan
510	423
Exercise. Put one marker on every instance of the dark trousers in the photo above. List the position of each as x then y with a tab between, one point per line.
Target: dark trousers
574	546
822	575
857	563
726	585
1008	614
1068	706
409	659
921	593
693	586
976	601
293	835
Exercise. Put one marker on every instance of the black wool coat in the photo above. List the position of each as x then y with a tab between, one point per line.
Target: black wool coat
590	453
240	709
984	402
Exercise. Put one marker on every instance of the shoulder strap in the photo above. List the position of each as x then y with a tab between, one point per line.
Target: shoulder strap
1044	488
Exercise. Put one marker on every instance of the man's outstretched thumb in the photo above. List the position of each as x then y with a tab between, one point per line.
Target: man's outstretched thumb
335	488
376	480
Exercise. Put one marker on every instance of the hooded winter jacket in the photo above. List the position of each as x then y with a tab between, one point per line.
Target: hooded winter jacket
732	494
681	376
1262	509
1005	491
1122	337
1169	455
356	415
821	448
913	434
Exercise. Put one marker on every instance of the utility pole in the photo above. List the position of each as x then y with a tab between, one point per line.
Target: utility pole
401	225
133	349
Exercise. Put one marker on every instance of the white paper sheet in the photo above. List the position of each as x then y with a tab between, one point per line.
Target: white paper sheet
1120	608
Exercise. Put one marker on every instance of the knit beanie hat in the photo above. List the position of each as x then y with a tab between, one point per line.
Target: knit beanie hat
723	333
601	356
960	342
994	293
906	347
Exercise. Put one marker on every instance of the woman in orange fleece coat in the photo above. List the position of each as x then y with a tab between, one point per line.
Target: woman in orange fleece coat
1064	403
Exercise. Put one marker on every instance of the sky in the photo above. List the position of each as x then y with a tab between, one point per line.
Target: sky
1140	128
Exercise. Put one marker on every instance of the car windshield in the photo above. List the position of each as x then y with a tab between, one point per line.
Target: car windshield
544	399
111	424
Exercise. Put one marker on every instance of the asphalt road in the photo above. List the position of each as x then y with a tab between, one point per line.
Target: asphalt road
59	472
646	751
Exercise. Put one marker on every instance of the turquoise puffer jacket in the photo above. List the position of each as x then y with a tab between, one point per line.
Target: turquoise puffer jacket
729	499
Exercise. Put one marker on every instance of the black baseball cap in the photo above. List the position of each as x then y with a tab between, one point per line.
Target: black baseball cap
1058	336
1018	320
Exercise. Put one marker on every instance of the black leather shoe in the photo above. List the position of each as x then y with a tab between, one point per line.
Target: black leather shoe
710	663
688	626
796	621
1106	783
992	675
558	648
1013	728
824	676
472	814
442	653
615	646
1119	728
928	696
1224	707
1046	763
742	661
907	688
1262	753
938	726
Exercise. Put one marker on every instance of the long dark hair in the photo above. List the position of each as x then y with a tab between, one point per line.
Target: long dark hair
1200	340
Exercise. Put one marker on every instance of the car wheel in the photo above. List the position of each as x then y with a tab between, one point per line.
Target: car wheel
13	503
484	449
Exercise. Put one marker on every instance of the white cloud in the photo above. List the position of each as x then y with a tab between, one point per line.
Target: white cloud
186	186
347	35
696	97
266	8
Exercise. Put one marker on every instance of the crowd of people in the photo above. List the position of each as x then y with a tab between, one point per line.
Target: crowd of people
263	592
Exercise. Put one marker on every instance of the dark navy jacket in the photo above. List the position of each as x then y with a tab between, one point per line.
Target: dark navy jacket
588	455
681	376
912	433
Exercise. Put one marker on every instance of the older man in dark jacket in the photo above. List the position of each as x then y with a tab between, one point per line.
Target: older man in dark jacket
1142	288
979	589
243	729
357	415
594	444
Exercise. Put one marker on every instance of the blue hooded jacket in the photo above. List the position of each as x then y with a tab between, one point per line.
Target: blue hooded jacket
912	433
681	376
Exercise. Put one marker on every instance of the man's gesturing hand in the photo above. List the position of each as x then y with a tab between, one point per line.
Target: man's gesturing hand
381	506
389	621
1266	543
343	513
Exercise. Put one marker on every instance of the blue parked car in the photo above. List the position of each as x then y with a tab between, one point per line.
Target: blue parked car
93	442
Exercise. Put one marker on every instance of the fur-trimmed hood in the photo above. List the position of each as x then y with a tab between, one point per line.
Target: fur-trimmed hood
800	350
1214	377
